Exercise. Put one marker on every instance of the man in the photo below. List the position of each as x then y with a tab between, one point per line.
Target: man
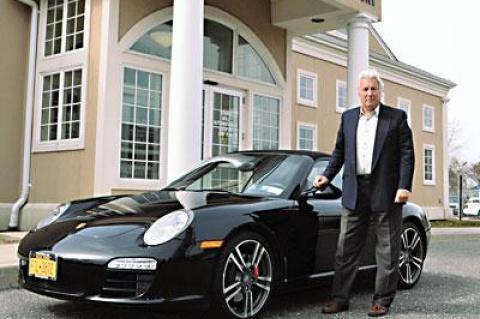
374	144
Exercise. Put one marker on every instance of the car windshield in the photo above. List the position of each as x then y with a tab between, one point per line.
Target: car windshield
253	174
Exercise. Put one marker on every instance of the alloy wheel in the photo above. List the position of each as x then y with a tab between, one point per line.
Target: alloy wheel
411	256
247	278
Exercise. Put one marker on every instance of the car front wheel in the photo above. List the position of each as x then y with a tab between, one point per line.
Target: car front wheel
412	256
244	279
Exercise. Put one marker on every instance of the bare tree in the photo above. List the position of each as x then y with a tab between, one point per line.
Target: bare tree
454	139
475	170
456	169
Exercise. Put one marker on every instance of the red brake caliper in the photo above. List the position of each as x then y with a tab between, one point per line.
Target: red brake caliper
255	272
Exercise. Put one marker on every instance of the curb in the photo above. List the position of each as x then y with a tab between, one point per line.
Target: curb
455	231
8	277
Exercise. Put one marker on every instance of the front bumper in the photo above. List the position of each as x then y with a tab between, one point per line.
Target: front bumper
184	271
172	282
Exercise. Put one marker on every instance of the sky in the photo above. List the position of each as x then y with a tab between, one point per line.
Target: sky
441	37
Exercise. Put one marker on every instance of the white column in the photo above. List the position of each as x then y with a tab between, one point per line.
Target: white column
185	101
446	159
358	51
287	126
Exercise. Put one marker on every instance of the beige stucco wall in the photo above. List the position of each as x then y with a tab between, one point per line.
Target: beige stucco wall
60	176
426	195
324	115
254	13
328	120
14	36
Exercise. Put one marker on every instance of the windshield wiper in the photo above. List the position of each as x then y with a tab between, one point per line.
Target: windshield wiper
173	189
219	190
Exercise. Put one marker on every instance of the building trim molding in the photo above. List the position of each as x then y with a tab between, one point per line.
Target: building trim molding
393	71
108	35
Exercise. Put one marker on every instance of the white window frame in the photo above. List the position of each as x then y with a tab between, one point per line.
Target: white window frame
339	108
59	144
134	181
400	101
61	62
431	148
251	115
314	134
43	24
314	77
426	128
139	183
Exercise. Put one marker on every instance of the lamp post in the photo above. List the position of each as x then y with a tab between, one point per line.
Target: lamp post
460	196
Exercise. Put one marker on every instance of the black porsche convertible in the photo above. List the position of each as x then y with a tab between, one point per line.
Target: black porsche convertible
229	233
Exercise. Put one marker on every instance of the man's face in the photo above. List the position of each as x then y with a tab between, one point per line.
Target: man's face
369	93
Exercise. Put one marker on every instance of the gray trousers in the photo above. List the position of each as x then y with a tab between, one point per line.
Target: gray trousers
353	234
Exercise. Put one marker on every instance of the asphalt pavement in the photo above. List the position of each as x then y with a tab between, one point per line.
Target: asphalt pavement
449	288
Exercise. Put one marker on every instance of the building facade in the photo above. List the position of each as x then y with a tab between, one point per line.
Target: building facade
127	94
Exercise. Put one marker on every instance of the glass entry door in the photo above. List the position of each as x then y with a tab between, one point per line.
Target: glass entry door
221	121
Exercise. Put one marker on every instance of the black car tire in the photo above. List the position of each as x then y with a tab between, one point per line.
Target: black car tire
412	256
244	277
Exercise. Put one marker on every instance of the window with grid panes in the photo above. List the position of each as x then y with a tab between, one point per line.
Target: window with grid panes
266	121
306	137
428	120
306	87
428	159
341	96
65	24
404	104
141	125
61	106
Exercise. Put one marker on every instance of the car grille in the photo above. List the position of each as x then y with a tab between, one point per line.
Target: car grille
126	284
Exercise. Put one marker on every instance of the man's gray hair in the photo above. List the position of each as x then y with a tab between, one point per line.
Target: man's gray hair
371	74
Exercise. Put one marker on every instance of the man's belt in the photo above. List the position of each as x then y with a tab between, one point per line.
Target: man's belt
364	177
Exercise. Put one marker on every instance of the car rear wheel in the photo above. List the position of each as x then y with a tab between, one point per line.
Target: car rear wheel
244	278
412	256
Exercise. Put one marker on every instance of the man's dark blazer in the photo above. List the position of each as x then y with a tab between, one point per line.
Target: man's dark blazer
393	158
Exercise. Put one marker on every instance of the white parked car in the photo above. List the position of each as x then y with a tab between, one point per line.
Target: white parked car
472	207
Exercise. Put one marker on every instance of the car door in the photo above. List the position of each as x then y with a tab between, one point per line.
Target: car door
328	212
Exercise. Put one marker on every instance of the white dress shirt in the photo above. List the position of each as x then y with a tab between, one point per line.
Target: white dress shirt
366	131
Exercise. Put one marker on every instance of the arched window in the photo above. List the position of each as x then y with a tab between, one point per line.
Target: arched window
218	50
157	41
250	64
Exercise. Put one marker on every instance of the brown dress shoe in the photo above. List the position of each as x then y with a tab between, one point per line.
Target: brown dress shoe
334	307
377	310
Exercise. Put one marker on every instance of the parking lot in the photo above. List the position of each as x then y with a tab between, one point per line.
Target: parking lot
449	288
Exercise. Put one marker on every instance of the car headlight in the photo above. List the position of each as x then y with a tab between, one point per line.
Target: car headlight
168	227
53	215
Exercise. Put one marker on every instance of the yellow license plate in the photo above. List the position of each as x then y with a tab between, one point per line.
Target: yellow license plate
42	265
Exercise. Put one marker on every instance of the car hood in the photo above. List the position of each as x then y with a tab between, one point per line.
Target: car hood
152	205
123	219
131	212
